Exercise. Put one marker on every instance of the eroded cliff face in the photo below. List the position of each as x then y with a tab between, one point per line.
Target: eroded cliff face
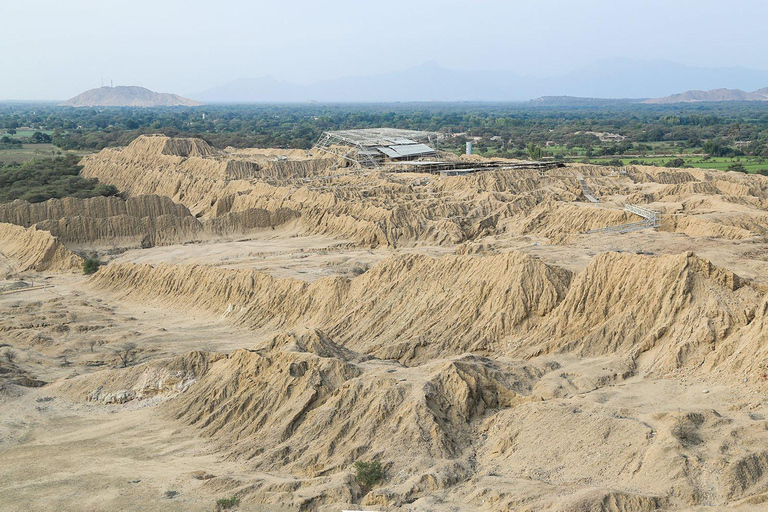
27	214
31	249
410	308
139	221
378	209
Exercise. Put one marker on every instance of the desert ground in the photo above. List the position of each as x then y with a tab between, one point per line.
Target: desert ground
264	319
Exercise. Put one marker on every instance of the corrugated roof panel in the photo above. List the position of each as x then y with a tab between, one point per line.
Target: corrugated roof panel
391	153
405	150
412	149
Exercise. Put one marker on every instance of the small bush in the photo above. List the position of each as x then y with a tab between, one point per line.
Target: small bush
685	430
171	494
91	265
368	473
227	503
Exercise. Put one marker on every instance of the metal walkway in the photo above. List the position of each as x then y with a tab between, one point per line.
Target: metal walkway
587	192
651	219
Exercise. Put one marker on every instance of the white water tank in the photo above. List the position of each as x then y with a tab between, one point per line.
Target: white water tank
469	147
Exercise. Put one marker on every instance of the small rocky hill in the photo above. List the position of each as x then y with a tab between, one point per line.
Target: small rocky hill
128	96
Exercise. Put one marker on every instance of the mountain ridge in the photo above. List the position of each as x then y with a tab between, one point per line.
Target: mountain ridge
721	94
606	79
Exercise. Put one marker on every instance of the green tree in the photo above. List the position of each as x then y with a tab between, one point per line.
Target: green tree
534	151
41	138
676	162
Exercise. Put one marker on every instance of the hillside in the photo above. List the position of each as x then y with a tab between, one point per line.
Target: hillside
128	96
712	95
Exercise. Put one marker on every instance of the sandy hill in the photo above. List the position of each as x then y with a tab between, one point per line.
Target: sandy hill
128	96
713	95
268	318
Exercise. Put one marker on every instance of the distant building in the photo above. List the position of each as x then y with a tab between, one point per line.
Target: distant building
373	146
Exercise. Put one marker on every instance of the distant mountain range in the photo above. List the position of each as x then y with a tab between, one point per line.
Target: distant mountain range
613	78
713	95
128	96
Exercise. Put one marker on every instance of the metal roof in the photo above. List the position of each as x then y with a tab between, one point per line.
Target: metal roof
381	136
405	150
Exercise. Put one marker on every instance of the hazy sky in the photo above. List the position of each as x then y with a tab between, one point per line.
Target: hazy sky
54	49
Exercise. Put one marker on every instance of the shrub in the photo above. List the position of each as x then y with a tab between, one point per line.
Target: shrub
686	430
368	474
91	265
227	503
738	167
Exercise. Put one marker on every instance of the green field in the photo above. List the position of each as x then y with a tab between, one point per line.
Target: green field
24	133
28	152
719	163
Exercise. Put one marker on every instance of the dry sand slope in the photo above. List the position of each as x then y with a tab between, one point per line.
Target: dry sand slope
263	323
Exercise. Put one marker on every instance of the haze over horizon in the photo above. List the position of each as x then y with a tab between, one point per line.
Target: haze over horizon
60	50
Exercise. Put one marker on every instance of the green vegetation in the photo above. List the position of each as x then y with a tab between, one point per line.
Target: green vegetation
227	503
46	178
751	164
699	134
368	474
534	152
91	265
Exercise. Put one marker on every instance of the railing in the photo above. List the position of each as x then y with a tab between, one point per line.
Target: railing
651	216
651	219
